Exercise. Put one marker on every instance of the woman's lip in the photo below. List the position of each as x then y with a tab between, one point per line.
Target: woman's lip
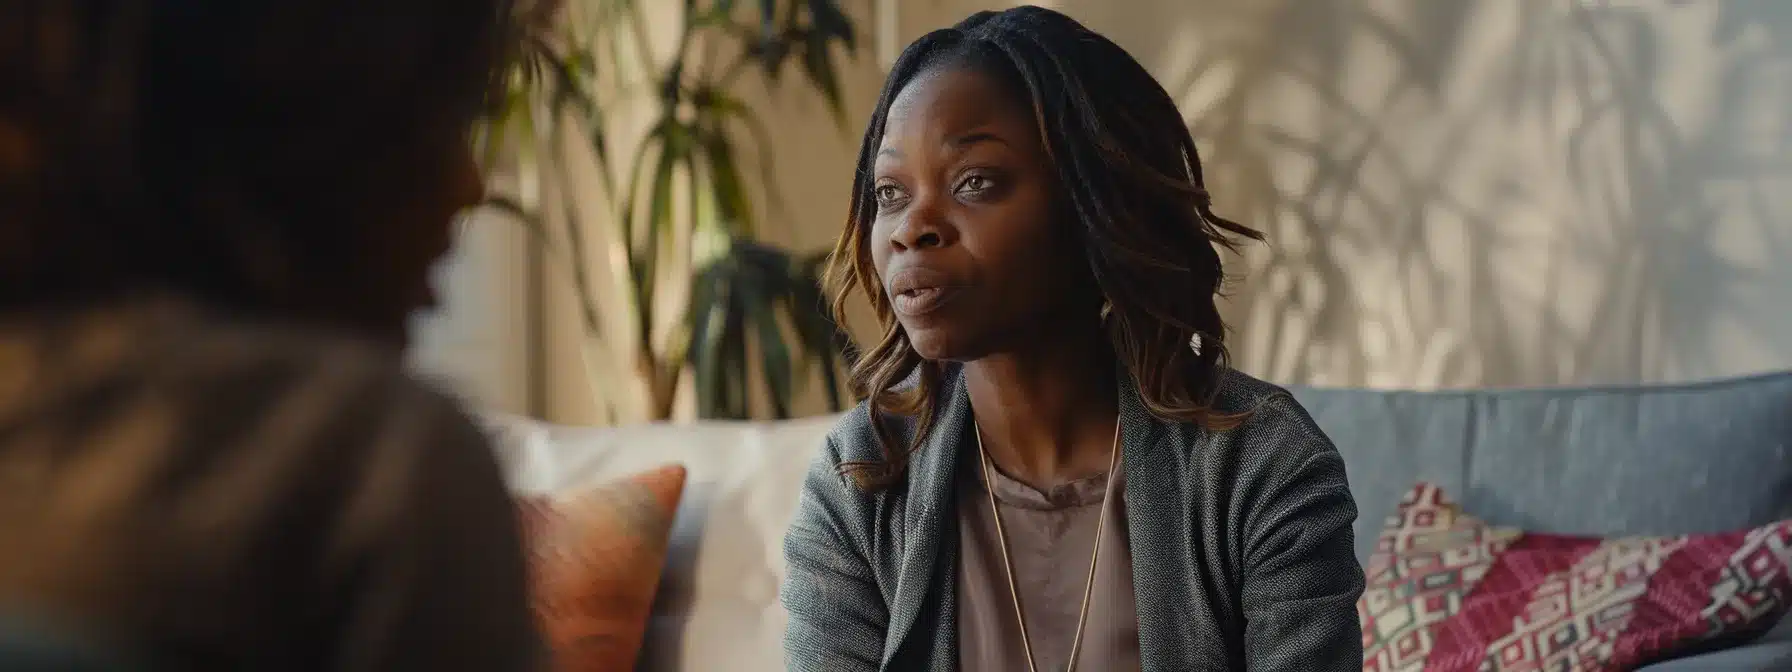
915	276
922	301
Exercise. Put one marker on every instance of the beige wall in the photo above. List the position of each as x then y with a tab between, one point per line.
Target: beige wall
1458	193
1496	192
477	343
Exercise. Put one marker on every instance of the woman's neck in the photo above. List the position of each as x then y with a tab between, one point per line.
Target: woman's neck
1047	413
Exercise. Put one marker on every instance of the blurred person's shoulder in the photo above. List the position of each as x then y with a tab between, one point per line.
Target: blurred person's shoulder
253	459
207	368
261	417
283	400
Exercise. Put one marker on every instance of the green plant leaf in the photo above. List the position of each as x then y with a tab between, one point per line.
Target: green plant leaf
818	64
570	90
742	298
732	109
719	13
734	399
767	285
706	314
759	302
826	343
771	51
726	185
628	214
600	151
674	150
831	22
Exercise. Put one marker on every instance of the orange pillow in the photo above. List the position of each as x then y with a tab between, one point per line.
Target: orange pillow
594	564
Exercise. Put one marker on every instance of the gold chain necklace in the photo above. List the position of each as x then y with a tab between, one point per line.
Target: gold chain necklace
1082	617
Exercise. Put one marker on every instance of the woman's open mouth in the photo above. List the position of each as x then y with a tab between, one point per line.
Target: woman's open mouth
922	300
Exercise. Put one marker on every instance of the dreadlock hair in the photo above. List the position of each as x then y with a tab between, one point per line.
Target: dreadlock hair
120	119
1132	182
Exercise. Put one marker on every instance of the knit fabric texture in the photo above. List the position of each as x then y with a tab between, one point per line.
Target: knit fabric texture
1242	548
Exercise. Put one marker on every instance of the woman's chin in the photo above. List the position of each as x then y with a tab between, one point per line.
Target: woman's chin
941	345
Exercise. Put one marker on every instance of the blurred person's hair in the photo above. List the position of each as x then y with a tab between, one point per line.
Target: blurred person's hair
220	148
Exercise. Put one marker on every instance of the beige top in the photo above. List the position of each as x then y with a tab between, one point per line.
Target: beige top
1050	538
202	494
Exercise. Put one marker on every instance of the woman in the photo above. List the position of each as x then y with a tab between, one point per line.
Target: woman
1054	468
215	218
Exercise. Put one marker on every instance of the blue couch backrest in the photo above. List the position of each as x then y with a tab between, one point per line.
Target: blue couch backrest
1648	459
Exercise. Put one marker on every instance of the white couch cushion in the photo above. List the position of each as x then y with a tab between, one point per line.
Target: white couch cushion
717	607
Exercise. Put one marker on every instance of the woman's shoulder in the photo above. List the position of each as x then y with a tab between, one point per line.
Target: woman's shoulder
1275	451
854	437
1271	423
1240	392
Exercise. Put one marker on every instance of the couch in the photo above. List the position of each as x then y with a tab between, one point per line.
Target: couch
1662	459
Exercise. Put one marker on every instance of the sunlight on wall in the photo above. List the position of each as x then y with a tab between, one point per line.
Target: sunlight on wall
1495	193
1458	192
1482	192
1464	193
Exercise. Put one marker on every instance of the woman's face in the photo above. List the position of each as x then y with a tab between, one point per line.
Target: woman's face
965	238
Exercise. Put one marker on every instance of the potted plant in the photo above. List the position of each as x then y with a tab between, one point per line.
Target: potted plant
747	305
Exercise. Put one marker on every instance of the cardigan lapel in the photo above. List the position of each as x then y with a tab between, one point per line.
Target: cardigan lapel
1156	534
930	553
929	524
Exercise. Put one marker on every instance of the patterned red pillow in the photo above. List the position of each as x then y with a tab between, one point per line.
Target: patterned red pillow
1448	592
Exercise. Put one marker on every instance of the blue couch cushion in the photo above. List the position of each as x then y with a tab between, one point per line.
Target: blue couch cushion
1597	461
1772	652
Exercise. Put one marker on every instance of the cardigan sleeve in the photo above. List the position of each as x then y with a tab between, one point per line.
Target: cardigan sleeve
1301	577
838	617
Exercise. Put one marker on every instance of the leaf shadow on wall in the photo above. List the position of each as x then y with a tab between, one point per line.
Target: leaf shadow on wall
1492	193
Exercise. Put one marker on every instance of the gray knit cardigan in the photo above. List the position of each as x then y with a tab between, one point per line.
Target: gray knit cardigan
1241	544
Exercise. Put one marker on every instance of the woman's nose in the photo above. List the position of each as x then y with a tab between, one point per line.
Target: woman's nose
922	227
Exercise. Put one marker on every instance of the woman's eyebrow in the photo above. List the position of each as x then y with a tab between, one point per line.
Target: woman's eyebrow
960	143
968	140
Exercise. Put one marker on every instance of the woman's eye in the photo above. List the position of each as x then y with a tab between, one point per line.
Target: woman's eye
886	193
975	183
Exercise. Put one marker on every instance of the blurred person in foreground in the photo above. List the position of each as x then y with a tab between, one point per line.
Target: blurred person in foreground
215	218
1055	468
